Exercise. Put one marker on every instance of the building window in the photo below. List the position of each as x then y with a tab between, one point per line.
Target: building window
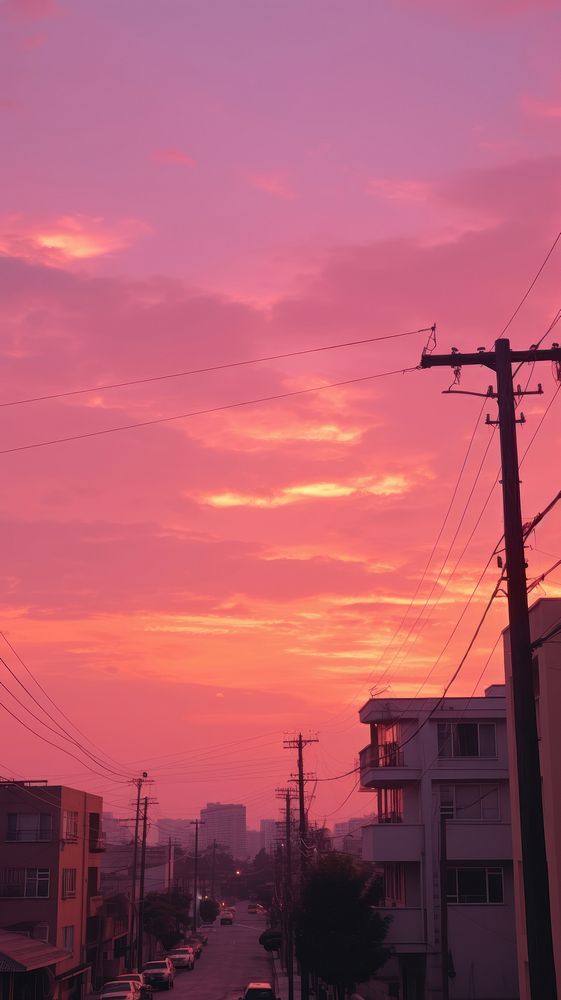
394	884
68	938
390	805
24	882
41	932
29	827
68	883
465	802
475	886
467	739
70	825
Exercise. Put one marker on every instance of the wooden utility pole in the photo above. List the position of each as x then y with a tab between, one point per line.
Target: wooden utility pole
141	891
213	870
534	858
288	929
299	743
196	824
132	936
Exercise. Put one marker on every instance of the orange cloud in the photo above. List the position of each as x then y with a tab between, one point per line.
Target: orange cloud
174	156
68	237
385	486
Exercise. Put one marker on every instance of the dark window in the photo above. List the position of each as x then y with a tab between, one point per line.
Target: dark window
466	739
29	827
474	885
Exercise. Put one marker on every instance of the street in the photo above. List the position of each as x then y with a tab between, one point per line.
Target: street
232	958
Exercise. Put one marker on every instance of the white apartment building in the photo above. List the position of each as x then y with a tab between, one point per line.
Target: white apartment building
545	617
268	833
428	758
226	824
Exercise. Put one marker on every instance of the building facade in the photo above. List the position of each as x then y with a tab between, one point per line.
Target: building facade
51	846
224	823
442	766
268	835
545	615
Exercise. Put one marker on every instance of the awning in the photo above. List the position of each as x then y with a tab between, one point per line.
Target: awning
20	953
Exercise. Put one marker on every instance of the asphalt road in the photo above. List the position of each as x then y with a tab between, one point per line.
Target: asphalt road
232	958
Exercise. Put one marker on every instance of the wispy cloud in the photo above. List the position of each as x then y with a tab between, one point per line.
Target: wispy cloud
173	155
394	189
273	182
540	109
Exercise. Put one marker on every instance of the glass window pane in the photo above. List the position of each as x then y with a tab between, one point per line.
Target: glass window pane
487	746
468	802
472	886
465	740
444	739
495	884
490	802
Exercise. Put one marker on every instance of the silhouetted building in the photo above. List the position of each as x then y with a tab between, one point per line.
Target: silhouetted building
225	823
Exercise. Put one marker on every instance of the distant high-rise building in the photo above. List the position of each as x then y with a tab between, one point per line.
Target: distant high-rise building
224	823
115	831
253	843
268	834
350	828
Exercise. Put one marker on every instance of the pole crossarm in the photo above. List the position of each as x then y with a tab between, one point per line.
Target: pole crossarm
487	358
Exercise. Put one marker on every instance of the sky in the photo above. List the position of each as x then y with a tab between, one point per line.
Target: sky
197	183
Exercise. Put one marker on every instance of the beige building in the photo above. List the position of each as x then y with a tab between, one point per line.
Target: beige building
545	615
50	848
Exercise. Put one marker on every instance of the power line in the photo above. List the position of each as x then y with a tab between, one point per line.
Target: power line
203	412
531	285
212	368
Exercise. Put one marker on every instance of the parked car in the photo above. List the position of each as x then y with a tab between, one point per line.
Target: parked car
252	907
259	991
200	936
121	986
160	975
136	977
195	944
226	918
183	957
125	994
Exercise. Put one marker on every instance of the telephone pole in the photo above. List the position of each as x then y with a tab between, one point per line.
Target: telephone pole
132	937
213	869
196	823
141	892
286	795
299	743
541	962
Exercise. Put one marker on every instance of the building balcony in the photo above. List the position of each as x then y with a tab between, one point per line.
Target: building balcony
398	842
97	842
473	841
406	932
385	765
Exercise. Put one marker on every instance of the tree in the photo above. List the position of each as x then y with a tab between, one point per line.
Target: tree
208	909
166	915
339	935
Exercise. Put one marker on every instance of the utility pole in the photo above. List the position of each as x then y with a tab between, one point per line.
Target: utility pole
196	823
286	794
299	743
141	893
213	869
534	857
444	947
132	937
169	864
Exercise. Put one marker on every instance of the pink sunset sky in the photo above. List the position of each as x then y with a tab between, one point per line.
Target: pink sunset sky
187	184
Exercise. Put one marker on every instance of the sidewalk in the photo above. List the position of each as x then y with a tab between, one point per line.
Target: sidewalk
280	981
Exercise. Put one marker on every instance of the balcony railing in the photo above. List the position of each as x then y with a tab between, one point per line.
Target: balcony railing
97	842
386	755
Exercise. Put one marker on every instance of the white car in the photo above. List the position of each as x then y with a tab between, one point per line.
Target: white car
160	975
135	977
125	985
183	957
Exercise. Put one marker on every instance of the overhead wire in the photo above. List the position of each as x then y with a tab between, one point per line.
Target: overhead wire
213	368
155	421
